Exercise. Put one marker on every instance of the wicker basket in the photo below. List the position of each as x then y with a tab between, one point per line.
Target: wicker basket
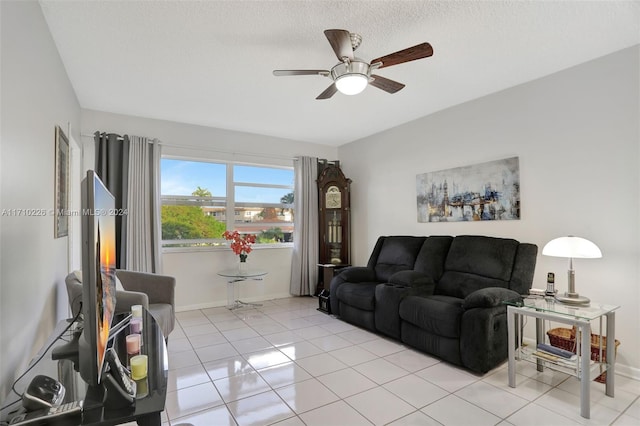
565	338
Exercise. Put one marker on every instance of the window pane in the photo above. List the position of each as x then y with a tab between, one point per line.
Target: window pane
269	224
254	174
195	207
264	203
262	215
179	177
189	223
254	194
193	194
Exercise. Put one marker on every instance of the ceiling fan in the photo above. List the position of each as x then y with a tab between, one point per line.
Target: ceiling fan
351	75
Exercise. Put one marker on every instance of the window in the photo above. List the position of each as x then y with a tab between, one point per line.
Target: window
200	200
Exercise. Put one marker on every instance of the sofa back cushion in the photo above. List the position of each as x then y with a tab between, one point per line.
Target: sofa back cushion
394	254
476	262
432	255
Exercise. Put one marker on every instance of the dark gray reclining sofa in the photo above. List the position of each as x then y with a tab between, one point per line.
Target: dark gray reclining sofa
443	295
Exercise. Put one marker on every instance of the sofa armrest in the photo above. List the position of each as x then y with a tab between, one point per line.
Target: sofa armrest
411	279
126	299
356	274
158	288
352	274
490	297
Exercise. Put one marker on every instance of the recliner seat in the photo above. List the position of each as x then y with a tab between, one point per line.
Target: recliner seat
354	288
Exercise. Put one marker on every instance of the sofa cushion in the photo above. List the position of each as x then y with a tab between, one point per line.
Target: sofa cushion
439	315
397	254
358	295
475	262
432	256
486	256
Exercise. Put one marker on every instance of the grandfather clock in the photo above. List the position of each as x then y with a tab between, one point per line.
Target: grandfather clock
335	220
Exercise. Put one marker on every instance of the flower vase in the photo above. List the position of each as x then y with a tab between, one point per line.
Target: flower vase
242	265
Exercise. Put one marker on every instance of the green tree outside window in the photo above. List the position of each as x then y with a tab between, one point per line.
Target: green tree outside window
190	222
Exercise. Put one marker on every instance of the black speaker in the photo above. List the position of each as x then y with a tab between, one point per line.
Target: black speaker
323	301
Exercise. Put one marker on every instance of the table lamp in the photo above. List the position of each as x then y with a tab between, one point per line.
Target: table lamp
572	247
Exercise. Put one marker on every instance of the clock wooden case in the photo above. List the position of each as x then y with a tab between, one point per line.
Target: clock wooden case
334	204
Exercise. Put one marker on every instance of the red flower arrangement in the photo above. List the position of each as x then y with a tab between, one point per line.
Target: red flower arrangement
240	244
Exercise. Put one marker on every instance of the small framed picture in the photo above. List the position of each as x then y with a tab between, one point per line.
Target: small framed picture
61	219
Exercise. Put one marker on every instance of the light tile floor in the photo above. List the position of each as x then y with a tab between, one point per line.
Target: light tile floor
286	363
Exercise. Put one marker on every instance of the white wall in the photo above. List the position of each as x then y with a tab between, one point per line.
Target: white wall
577	136
36	96
198	285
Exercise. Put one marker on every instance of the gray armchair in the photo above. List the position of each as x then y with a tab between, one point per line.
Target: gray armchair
155	292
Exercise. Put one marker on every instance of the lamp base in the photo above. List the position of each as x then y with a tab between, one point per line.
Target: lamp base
572	299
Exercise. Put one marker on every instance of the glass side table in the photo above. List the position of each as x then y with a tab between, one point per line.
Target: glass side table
233	276
578	316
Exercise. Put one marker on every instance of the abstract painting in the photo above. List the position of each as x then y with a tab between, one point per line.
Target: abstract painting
485	191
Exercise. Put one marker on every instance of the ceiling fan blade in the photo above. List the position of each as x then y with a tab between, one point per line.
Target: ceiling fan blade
419	51
329	92
340	41
280	73
385	84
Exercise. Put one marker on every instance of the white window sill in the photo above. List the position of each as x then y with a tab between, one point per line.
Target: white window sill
226	248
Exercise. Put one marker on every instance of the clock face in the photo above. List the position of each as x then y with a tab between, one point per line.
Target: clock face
333	198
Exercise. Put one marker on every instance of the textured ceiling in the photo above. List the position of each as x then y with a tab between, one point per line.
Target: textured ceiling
210	62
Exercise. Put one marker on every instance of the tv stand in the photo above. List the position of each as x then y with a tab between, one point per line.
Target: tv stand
143	407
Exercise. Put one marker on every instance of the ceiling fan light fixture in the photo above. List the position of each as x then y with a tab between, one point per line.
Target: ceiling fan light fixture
352	75
352	84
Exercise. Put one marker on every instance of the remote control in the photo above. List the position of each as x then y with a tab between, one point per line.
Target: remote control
48	414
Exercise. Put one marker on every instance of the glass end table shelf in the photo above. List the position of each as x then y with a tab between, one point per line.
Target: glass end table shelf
580	317
548	304
234	276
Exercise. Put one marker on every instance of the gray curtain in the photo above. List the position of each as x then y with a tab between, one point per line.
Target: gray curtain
304	262
143	200
112	166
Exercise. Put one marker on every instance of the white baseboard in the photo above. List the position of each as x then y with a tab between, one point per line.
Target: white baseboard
628	371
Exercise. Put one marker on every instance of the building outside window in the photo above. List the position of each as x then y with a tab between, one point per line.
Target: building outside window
200	200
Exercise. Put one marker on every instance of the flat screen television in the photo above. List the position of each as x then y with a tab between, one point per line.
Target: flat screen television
98	276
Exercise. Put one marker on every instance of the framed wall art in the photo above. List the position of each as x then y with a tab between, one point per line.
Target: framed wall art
61	219
479	192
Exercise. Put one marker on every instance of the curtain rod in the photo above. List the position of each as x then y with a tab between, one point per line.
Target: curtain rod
220	151
120	138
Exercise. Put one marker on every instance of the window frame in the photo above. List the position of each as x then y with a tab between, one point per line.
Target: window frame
230	204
